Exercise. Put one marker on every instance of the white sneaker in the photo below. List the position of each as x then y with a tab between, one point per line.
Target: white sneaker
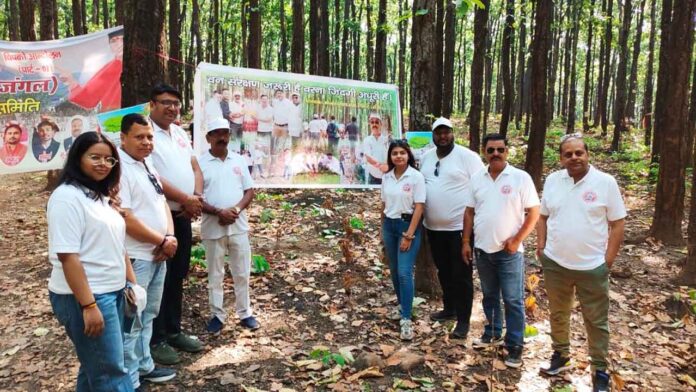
406	329
395	313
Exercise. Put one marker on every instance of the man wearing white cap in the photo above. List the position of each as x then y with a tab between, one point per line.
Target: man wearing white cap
375	148
447	170
227	191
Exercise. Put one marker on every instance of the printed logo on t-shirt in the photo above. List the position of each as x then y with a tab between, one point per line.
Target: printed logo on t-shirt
589	197
181	142
506	189
237	171
407	188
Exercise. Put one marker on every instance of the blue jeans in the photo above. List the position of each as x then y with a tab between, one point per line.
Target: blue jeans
401	263
502	272
101	358
136	344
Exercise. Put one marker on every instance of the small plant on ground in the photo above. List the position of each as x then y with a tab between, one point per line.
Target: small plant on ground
259	264
198	257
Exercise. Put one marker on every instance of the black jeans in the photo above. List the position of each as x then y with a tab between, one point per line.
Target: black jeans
169	319
454	274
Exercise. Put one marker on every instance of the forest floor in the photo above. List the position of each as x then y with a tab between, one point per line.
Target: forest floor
319	310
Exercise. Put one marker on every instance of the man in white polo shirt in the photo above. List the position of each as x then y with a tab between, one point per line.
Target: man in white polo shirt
578	237
149	241
295	119
182	183
375	148
228	190
447	170
502	207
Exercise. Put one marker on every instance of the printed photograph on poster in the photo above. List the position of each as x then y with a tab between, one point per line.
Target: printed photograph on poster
110	122
420	143
51	92
300	130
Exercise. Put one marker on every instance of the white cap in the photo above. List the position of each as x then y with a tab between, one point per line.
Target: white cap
218	123
442	122
374	115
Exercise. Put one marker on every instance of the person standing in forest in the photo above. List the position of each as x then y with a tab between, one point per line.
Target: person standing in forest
182	183
447	170
375	149
578	237
295	120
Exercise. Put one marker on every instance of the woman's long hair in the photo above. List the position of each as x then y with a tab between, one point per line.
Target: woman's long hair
403	144
73	174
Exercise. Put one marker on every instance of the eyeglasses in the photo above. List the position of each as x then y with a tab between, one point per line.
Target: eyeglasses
169	103
153	180
98	159
576	135
375	122
437	168
399	143
491	150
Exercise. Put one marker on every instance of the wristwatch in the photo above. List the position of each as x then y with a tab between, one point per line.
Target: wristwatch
237	210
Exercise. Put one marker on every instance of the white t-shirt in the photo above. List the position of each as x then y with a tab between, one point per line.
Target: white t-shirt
399	196
172	159
444	209
577	229
377	149
295	120
315	126
237	108
281	111
265	117
499	206
92	229
224	183
139	195
213	109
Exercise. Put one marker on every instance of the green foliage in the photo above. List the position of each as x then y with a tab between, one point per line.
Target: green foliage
262	196
267	215
357	223
328	358
198	257
419	141
286	206
565	388
530	330
259	265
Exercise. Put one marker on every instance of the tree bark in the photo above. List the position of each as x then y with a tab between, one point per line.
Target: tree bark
48	20
633	77
620	125
105	14
521	51
175	67
27	31
448	65
13	20
649	81
477	63
439	64
403	26
314	32
298	49
345	62
324	66
603	101
674	73
540	48
119	11
588	67
572	99
336	49
381	43
144	35
76	17
370	50
506	67
356	45
255	37
95	12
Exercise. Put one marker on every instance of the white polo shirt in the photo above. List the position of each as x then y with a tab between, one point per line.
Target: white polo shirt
399	196
213	109
577	229
499	206
92	229
295	120
444	208
376	148
224	183
237	108
139	195
281	111
265	117
172	159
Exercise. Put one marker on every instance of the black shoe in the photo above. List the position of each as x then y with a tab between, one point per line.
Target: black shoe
158	375
600	381
443	315
514	357
460	331
558	364
250	323
488	341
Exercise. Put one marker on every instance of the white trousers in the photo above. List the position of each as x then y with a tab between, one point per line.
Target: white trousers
239	250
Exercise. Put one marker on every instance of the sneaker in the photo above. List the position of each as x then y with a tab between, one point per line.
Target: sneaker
164	353
559	363
214	325
406	329
185	343
600	382
460	331
250	323
514	357
395	313
487	341
158	375
443	315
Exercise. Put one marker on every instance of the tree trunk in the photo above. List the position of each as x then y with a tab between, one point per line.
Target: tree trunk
76	16
196	31
356	45
255	37
448	65
95	12
144	35
27	31
620	124
370	50
567	50
381	43
488	74
13	20
506	67
343	73
298	43
175	67
553	66
603	104
633	77
674	73
439	64
688	273
105	13
521	51
336	49
48	20
649	81
314	32
588	67
572	99
403	25
540	48
477	63
216	32
661	90
119	12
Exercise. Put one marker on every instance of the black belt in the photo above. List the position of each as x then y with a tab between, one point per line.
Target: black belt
281	125
406	217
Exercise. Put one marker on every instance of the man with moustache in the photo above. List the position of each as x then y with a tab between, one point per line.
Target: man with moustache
447	170
149	241
578	237
227	190
182	183
295	119
375	148
45	147
12	151
76	126
502	207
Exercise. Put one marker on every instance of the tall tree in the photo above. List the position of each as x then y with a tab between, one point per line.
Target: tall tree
403	25
335	48
144	37
572	99
368	43
633	76
540	47
649	81
27	30
48	20
480	36
77	15
119	12
670	117
381	43
448	65
506	66
314	32
439	64
521	57
298	49
344	41
255	38
175	42
13	22
356	43
588	68
603	100
105	14
620	125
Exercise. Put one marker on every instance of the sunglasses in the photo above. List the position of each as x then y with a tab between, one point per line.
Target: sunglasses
576	135
491	150
153	180
399	143
98	159
437	168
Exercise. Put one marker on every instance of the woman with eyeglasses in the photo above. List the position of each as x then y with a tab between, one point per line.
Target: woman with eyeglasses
403	195
86	246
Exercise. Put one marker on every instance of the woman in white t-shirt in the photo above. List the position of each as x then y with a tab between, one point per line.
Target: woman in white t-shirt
86	246
403	194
